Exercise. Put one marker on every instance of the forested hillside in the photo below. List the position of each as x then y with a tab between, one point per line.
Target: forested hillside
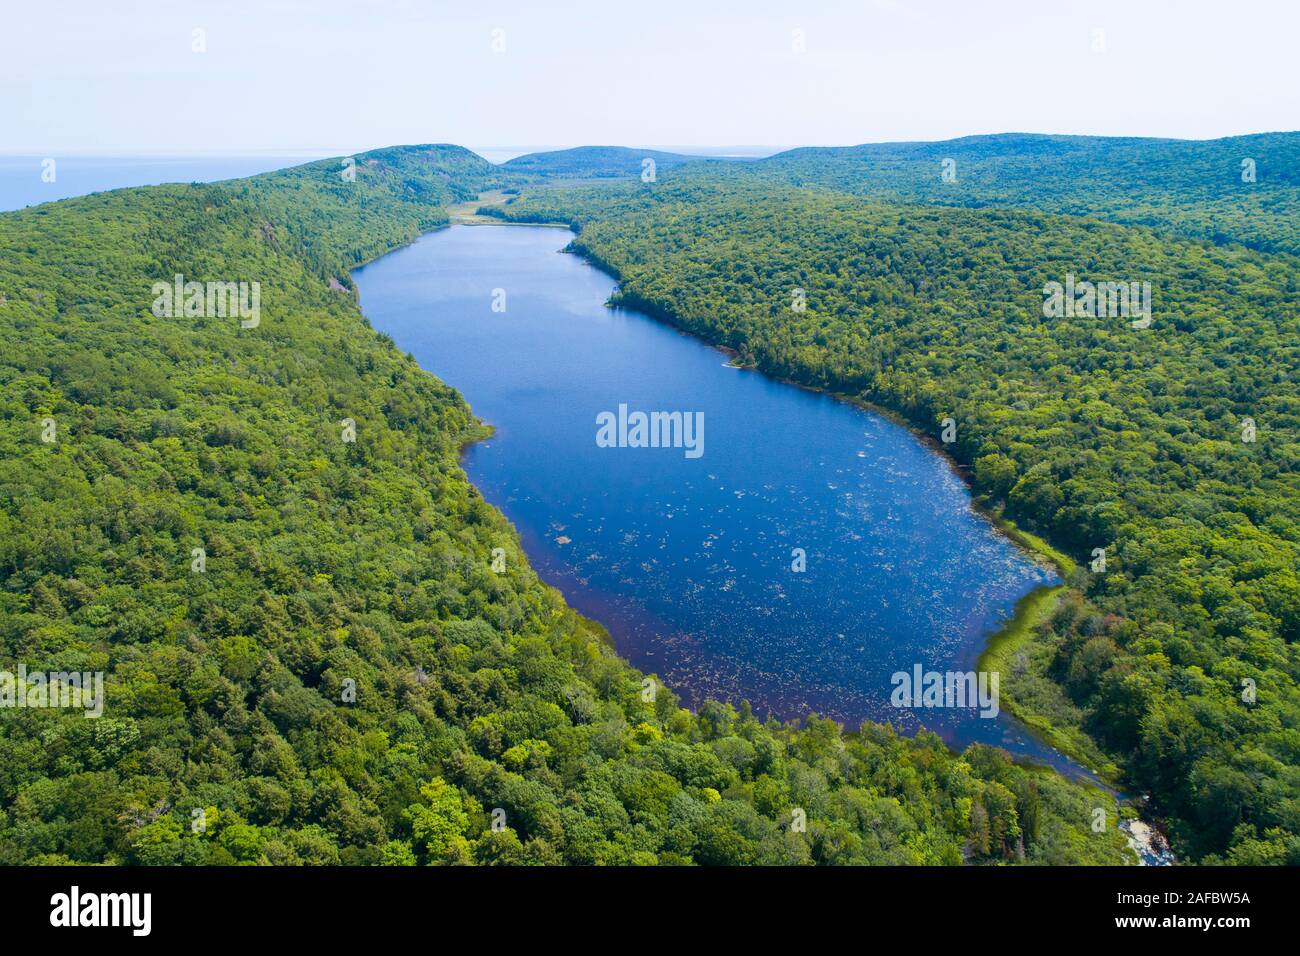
1242	189
595	162
1180	657
309	657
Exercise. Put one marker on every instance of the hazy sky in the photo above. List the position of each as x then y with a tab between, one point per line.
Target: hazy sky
122	76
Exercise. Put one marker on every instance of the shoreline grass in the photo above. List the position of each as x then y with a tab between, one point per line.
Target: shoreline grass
1007	651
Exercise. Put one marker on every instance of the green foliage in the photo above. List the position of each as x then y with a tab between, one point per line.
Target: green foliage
1086	430
594	162
1184	187
347	681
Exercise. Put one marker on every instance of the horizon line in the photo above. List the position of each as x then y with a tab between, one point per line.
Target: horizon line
326	153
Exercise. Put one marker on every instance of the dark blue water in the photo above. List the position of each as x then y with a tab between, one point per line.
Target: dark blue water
21	183
688	561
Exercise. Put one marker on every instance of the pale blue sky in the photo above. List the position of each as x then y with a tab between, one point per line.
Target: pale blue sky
100	77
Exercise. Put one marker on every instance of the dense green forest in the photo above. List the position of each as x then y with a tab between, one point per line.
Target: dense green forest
595	162
1243	189
310	660
1175	447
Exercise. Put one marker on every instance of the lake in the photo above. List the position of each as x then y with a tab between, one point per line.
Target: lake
690	559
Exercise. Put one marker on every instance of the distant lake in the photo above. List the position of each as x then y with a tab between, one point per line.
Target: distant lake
21	183
688	561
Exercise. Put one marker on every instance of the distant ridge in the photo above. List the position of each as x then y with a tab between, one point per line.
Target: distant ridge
1243	189
1012	143
599	162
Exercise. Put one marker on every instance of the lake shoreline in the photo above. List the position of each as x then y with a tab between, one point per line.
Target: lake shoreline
1026	544
992	647
1012	634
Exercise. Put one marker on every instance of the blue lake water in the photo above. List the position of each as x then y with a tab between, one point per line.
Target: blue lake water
688	561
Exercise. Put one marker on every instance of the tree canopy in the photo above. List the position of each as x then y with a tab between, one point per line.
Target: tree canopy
309	658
